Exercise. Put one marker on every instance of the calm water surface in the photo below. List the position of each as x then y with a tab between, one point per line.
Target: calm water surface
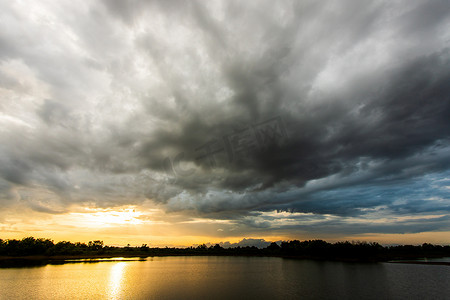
226	278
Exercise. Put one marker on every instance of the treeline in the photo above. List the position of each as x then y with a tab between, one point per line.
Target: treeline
40	246
312	249
356	251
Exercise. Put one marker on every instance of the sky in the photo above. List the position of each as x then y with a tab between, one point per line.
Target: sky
175	123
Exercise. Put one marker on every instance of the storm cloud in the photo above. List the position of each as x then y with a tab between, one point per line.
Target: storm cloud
270	116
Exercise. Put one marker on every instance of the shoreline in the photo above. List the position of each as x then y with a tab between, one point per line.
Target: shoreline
416	262
40	260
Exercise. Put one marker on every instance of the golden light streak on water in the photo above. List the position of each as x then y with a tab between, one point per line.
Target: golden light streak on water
116	280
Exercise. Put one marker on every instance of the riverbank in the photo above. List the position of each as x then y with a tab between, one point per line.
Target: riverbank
42	251
417	262
40	260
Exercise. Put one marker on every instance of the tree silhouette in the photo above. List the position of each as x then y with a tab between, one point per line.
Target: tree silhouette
311	249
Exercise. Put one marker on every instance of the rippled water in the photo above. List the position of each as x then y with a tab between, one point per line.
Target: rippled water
225	278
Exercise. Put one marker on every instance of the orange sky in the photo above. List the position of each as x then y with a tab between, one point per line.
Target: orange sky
130	225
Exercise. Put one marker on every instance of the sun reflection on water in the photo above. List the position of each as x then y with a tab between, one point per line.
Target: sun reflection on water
116	279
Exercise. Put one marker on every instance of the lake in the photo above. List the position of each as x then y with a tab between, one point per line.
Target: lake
216	277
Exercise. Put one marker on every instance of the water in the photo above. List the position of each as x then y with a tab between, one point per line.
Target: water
226	278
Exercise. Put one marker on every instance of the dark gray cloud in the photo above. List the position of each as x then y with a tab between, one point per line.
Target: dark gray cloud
323	108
